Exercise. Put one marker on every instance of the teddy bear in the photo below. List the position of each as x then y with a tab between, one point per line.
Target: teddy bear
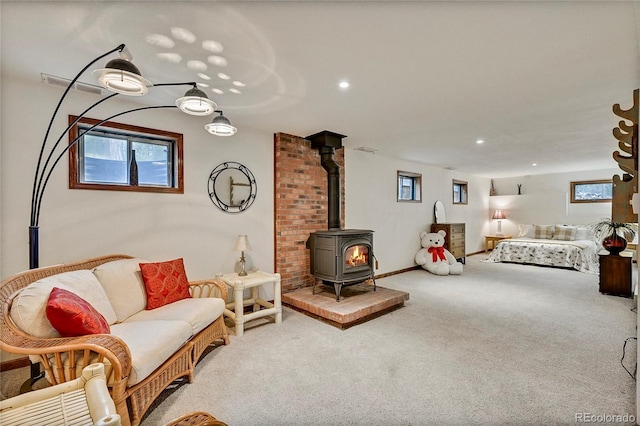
434	257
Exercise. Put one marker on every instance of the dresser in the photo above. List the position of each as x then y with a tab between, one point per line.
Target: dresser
615	274
454	240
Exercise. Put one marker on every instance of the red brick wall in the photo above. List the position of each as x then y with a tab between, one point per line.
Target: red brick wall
300	192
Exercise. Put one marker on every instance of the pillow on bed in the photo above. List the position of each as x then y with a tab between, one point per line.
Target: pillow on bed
544	232
564	233
585	233
525	231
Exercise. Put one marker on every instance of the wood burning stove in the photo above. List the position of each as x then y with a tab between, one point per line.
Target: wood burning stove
342	257
338	256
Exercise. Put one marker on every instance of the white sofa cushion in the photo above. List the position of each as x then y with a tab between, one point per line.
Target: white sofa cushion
122	282
199	313
151	343
28	311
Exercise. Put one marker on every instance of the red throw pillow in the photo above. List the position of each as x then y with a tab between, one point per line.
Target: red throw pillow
164	282
71	315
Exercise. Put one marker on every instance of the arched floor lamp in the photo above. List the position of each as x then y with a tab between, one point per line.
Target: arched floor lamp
121	76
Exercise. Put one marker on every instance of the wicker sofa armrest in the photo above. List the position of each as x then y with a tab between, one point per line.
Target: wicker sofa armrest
209	288
80	352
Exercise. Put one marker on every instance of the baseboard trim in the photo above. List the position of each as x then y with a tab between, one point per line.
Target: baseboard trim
388	274
14	364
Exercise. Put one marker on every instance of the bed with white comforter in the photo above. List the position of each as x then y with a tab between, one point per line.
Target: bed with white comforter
563	246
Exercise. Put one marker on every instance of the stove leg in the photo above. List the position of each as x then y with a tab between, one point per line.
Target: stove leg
338	288
374	282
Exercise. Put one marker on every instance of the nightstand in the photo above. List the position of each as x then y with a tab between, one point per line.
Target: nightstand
490	241
615	274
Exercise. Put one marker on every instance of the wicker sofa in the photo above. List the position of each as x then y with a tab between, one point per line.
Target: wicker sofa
145	351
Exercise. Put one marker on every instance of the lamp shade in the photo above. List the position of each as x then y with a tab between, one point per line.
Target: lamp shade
220	126
122	76
242	244
196	102
498	214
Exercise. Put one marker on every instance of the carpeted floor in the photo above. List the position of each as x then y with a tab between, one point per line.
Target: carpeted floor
501	344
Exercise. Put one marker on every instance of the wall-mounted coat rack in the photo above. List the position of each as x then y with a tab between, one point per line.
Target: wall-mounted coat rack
624	187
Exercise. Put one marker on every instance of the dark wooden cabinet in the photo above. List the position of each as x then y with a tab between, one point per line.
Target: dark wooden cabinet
615	275
454	240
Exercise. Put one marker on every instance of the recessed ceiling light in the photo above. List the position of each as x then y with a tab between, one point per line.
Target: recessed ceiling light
203	85
204	76
479	141
344	84
239	84
223	76
234	90
217	91
534	164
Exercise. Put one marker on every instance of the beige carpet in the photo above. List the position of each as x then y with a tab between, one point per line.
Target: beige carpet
502	344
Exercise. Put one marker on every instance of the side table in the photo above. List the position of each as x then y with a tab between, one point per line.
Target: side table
493	239
615	274
261	308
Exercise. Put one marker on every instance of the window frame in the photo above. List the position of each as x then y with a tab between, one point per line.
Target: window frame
574	184
464	190
416	178
175	139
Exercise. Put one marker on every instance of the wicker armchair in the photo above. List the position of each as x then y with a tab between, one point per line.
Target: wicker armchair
85	400
131	402
197	418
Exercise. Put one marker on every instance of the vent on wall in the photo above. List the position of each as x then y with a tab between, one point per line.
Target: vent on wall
366	149
64	82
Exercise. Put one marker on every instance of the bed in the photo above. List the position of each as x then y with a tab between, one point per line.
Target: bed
564	246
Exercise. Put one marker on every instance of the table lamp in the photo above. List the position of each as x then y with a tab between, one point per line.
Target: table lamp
242	245
499	214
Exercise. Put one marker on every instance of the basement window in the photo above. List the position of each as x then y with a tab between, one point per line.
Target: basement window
460	190
409	187
592	191
102	158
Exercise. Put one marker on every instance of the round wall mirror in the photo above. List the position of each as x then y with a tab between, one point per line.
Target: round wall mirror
439	213
232	187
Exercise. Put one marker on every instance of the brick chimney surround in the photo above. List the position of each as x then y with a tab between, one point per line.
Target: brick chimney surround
300	206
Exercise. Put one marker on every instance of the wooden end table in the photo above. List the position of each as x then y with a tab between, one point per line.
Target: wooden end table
493	239
261	308
615	274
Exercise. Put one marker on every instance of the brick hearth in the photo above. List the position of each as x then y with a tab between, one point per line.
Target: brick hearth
358	303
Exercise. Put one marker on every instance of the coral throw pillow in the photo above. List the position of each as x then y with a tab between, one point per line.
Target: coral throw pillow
164	282
71	315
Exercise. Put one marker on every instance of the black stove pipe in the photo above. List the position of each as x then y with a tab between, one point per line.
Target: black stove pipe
333	185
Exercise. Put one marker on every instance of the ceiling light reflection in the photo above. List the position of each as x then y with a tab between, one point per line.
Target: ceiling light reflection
196	65
183	34
212	46
217	60
160	40
170	57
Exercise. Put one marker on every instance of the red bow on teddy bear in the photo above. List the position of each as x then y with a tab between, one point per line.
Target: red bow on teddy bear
437	252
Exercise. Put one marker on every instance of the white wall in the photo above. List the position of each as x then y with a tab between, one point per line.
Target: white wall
78	224
545	199
371	203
